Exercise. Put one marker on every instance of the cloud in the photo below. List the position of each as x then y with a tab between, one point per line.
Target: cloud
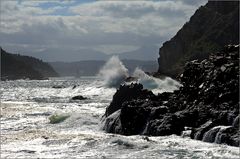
115	49
104	26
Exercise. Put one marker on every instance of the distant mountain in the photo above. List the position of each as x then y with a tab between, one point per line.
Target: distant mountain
211	27
64	54
92	67
14	66
81	68
146	53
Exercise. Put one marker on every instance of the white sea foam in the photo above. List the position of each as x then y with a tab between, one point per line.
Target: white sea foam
113	72
79	136
166	84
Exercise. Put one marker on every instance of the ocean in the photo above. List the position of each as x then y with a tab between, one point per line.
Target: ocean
26	131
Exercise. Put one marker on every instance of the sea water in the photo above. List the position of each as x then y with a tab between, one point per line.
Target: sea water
26	132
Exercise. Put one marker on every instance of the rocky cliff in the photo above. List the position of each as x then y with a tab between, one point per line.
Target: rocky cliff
206	107
15	66
211	27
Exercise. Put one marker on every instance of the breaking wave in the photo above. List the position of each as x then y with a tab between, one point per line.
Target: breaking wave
114	73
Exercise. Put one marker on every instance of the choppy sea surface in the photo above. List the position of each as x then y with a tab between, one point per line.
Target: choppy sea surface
26	132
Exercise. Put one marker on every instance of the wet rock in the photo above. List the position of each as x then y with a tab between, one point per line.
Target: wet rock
112	123
158	111
57	87
210	135
236	122
133	118
127	93
189	118
222	135
228	135
224	118
27	151
168	125
198	133
208	102
45	137
79	97
74	87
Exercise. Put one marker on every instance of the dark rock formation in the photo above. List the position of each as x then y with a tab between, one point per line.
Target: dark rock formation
58	87
207	103
212	26
127	93
14	66
79	98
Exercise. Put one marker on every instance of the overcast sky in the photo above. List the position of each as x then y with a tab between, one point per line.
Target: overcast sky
69	30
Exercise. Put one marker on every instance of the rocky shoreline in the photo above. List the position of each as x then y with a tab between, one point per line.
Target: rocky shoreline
207	105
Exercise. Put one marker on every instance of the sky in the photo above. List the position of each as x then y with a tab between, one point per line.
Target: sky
75	30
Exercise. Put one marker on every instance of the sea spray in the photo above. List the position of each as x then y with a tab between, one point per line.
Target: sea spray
147	81
113	72
166	84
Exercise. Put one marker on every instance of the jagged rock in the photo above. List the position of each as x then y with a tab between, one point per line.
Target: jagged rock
199	132
210	135
166	126
127	93
188	117
222	135
208	103
158	111
228	135
134	118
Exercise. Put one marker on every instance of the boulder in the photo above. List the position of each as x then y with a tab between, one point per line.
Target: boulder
127	93
79	97
57	87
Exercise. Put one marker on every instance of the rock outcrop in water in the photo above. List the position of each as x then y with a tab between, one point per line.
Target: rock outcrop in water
212	26
79	97
207	103
14	66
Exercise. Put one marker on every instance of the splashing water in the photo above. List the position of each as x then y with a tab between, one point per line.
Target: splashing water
147	81
25	121
113	72
157	85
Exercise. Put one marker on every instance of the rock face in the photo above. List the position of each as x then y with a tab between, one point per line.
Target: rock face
15	66
207	103
212	26
127	93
